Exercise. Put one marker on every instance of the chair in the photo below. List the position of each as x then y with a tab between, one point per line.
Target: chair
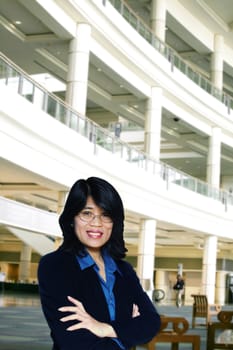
202	309
220	334
173	330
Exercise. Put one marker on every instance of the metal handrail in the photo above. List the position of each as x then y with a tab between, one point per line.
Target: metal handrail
20	82
170	54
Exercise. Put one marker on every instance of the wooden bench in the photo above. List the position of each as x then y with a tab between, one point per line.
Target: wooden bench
173	330
202	309
220	334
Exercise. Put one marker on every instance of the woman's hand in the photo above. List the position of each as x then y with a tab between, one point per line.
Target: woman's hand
135	311
100	329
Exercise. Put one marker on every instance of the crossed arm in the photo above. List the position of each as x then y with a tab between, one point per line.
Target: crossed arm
86	321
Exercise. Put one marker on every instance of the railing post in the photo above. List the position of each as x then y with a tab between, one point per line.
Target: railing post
20	86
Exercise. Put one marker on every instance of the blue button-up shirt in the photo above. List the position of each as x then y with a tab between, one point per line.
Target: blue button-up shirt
107	286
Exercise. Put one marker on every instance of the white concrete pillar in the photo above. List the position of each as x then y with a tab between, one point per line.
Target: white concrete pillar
158	18
220	287
214	158
216	66
61	201
161	281
25	263
60	206
146	248
153	123
78	65
209	268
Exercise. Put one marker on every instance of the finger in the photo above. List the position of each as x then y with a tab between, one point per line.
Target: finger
75	327
135	308
135	312
68	309
72	317
76	302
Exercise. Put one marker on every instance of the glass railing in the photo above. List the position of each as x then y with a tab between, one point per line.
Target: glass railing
19	82
171	55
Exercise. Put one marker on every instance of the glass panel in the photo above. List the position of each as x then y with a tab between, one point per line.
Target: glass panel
156	43
51	106
203	83
148	35
141	29
13	79
208	87
190	73
217	93
126	13
172	176
176	61
116	4
157	168
39	97
3	72
61	113
104	140
100	138
202	188
190	184
82	125
133	20
136	156
183	67
196	77
73	121
27	89
162	49
231	103
125	152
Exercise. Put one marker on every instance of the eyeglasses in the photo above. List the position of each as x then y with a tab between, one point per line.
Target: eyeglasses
88	216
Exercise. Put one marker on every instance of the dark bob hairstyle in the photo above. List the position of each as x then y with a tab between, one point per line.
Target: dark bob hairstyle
106	197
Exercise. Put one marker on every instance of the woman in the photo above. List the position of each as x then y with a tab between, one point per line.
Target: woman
91	297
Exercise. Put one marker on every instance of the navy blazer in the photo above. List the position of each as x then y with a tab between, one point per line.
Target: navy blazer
59	275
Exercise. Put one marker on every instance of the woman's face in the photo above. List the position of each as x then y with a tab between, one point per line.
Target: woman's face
93	226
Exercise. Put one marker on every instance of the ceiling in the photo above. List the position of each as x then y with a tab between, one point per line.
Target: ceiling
35	46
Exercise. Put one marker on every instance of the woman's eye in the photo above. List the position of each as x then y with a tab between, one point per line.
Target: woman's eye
87	214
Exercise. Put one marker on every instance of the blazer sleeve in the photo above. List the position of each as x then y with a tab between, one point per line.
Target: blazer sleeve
57	277
141	329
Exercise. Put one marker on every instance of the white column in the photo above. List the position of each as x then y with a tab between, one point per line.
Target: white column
25	263
214	157
146	248
162	283
77	78
220	287
209	268
61	201
216	65
153	123
158	18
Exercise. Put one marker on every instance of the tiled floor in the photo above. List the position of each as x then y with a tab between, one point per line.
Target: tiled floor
23	327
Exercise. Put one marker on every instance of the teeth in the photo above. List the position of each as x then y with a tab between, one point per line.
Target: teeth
94	234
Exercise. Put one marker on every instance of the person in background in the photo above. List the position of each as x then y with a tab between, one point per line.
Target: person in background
179	288
91	297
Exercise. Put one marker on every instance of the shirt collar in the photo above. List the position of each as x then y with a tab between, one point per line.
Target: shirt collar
86	261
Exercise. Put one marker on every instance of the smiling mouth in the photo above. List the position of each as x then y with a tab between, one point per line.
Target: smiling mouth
94	234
